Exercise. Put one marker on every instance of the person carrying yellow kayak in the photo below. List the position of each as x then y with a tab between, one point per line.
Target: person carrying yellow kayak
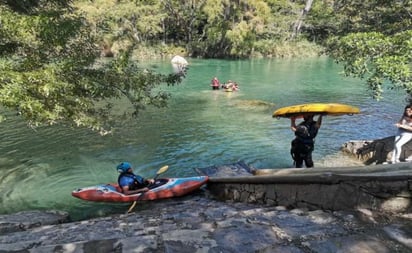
304	143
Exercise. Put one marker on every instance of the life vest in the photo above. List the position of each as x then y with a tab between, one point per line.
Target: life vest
138	181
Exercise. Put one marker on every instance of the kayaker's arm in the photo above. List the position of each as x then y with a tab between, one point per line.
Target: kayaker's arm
130	192
150	181
144	189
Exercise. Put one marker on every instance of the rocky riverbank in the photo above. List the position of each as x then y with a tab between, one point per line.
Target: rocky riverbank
199	223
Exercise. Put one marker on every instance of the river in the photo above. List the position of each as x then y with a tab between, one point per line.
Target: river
200	128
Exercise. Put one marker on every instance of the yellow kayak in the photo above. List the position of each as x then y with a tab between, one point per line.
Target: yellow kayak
333	109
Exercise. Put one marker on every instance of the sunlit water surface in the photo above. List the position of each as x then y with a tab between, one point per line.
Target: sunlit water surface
200	128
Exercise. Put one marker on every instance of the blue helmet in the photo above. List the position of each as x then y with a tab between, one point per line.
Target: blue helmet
123	167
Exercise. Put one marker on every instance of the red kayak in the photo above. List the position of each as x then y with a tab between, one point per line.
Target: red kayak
162	188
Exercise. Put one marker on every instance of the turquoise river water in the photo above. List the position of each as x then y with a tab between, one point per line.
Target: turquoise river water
40	167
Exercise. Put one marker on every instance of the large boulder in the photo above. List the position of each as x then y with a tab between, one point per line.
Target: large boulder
375	151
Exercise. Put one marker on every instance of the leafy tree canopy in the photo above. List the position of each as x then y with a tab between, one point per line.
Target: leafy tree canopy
50	73
378	58
373	39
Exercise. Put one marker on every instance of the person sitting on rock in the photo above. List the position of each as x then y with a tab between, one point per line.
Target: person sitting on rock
404	134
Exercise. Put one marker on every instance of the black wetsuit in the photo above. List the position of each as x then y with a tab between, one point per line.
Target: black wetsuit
304	144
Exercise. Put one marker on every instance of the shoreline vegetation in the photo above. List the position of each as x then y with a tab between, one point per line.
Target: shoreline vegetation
206	29
300	49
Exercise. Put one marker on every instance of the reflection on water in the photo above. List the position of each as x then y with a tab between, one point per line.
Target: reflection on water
200	128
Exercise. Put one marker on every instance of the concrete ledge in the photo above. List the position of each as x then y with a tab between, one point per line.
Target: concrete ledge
383	188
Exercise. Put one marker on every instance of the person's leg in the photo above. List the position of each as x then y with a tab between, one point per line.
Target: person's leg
396	149
399	142
295	153
308	160
297	157
298	161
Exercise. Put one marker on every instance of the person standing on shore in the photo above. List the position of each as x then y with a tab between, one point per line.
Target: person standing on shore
304	142
404	134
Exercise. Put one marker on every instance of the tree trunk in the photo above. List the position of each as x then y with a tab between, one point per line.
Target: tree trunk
299	21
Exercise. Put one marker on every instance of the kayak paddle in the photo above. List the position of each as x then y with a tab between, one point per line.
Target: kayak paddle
160	171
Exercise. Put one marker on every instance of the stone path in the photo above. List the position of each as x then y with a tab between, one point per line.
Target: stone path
198	223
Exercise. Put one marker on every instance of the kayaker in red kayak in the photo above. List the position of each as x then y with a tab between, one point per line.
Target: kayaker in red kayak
129	182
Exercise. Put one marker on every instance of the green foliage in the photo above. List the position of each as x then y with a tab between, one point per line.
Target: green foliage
205	28
234	27
50	71
182	19
376	57
322	21
241	39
